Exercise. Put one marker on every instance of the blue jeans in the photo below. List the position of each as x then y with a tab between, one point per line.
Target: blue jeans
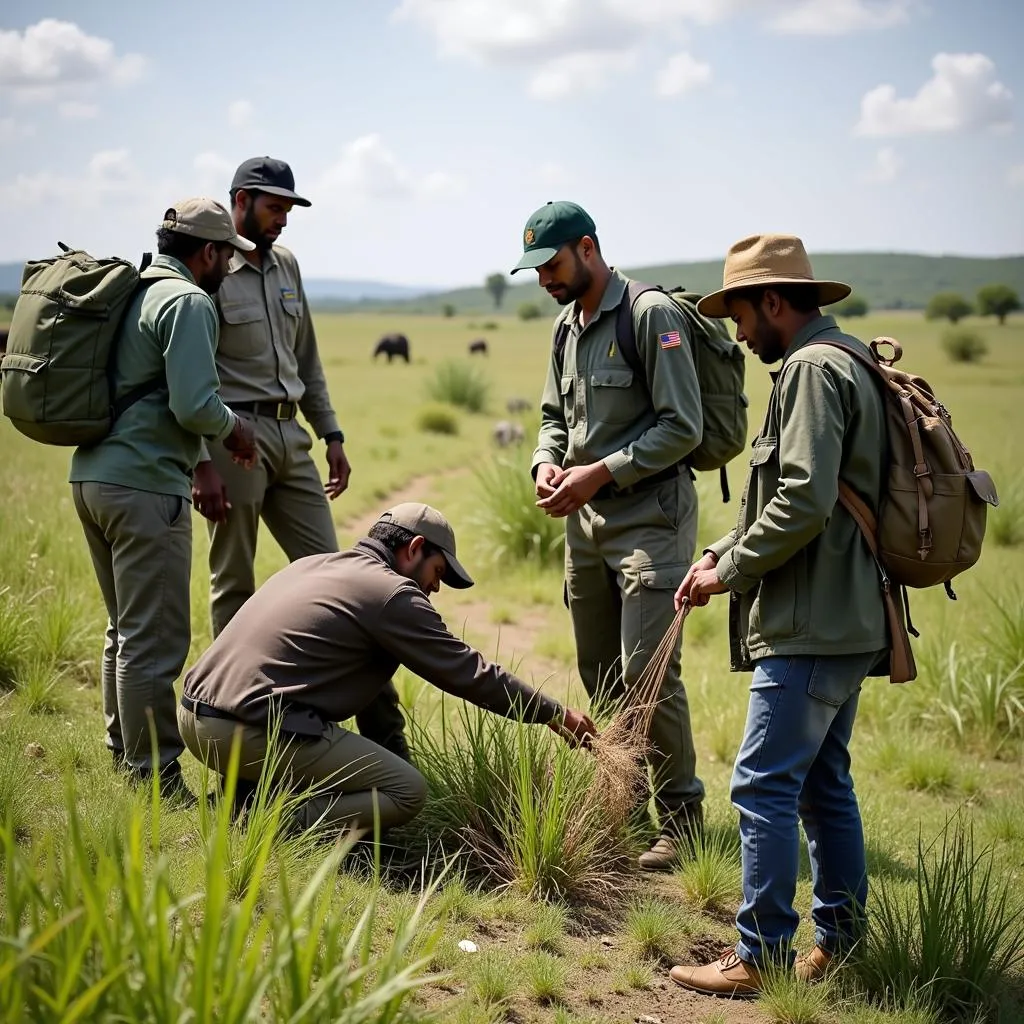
795	762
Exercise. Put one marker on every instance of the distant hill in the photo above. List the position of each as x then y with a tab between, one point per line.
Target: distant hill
320	289
885	280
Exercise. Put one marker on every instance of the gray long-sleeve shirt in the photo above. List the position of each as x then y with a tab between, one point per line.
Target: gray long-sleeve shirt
323	637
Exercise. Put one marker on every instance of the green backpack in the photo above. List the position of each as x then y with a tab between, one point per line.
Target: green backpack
56	378
721	370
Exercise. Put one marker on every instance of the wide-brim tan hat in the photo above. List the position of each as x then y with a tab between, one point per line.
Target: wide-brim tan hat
760	261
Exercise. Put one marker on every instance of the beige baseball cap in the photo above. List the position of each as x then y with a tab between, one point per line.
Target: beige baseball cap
207	219
428	523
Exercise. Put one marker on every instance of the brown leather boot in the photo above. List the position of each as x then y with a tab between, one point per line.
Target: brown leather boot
679	836
728	976
813	967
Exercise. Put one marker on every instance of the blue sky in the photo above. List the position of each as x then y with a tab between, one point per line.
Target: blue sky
425	131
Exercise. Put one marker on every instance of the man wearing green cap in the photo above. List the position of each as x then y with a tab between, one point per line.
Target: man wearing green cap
610	459
318	643
132	489
270	371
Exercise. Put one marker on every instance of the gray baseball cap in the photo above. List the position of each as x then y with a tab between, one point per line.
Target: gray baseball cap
207	219
428	523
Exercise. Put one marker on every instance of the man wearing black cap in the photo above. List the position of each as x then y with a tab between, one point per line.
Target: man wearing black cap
270	371
318	644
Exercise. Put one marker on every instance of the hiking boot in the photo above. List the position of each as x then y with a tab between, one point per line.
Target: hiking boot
728	976
813	967
680	835
173	787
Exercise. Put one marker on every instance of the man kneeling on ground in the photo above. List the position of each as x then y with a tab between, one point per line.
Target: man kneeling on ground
318	643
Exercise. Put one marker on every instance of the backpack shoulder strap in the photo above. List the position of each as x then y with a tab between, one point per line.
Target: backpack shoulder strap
625	325
558	345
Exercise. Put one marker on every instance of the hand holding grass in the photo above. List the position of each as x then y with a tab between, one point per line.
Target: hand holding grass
576	728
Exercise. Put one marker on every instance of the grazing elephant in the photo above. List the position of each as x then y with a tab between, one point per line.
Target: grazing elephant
506	433
515	405
393	345
480	345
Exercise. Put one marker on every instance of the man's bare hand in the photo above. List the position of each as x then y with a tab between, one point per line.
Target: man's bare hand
241	442
574	727
700	582
209	495
338	470
544	483
573	489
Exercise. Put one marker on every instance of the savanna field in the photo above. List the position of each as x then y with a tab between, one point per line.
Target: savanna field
114	910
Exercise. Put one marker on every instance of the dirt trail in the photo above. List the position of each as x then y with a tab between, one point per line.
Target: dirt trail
416	488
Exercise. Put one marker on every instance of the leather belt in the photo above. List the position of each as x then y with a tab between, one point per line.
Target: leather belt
272	410
662	476
201	710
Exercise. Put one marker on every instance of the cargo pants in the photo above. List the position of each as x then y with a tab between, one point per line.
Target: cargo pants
355	779
141	549
284	488
625	557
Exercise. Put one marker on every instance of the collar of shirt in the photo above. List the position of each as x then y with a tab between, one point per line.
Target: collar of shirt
170	263
809	332
377	550
611	299
239	262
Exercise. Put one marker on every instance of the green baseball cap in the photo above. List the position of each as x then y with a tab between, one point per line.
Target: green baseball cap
549	228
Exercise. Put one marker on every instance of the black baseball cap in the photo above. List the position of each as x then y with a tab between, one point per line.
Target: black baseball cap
265	174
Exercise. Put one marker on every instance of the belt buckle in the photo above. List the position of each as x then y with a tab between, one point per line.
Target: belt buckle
279	415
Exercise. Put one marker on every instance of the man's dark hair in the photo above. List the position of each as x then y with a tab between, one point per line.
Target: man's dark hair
180	246
803	298
394	537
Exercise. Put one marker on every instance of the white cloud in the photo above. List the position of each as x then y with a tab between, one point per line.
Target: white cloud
569	45
887	166
962	95
841	17
681	74
240	113
368	170
75	110
552	174
12	130
1015	176
53	56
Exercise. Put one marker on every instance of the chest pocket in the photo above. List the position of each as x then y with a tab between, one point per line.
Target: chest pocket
567	392
243	329
291	303
615	397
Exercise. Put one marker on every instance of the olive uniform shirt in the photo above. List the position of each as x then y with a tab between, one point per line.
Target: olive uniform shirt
268	350
594	408
322	639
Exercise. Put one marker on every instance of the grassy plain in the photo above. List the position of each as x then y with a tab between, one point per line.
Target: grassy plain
947	746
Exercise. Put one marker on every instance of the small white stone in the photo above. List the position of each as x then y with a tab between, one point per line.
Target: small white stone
467	946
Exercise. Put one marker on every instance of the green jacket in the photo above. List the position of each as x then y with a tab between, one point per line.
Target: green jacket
803	581
593	409
154	445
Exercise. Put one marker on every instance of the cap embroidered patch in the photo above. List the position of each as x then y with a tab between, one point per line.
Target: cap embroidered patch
670	340
529	237
288	294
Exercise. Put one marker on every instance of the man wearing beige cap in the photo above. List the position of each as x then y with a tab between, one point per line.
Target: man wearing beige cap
807	613
270	370
318	643
132	490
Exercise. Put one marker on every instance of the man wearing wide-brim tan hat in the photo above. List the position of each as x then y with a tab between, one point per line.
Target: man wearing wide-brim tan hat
807	616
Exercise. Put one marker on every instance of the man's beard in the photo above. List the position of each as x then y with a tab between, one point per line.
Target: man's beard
770	344
251	230
582	279
211	282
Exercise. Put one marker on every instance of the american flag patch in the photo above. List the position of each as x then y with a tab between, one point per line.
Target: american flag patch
670	340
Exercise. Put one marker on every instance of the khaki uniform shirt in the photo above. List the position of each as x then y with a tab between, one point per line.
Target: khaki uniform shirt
268	350
322	639
594	407
803	580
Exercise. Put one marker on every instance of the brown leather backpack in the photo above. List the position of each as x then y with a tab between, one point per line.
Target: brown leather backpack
931	522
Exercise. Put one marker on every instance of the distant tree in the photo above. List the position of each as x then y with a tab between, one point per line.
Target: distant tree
448	310
997	300
497	285
853	306
947	306
528	311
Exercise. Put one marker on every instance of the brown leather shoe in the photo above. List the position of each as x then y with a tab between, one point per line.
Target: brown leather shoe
664	855
728	976
813	967
680	834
